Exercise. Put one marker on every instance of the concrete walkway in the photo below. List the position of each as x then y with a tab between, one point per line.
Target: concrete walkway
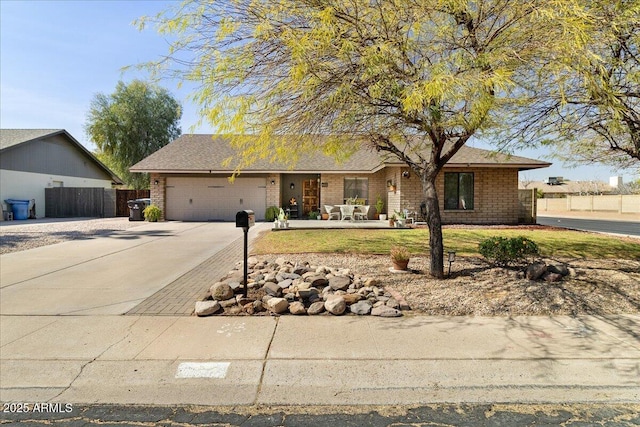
63	339
318	360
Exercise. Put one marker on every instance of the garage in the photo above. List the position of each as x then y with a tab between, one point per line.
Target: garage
214	198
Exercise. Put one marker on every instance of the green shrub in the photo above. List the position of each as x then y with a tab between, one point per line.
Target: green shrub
152	213
505	251
272	213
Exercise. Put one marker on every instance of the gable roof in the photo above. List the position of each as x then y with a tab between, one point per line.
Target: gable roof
202	153
11	138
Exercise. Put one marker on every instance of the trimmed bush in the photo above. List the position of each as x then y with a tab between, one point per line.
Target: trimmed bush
505	251
272	213
152	213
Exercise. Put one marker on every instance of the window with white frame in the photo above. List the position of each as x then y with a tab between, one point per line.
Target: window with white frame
458	190
356	188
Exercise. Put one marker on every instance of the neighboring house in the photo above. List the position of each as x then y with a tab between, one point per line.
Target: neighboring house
563	188
34	159
190	183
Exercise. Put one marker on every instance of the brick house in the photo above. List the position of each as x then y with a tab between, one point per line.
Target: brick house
190	183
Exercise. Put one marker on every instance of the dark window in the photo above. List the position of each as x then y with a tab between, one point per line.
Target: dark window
458	190
356	188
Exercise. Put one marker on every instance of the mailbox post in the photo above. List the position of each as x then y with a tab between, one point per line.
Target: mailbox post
245	220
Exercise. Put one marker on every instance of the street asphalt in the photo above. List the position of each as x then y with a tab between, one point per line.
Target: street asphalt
621	228
65	342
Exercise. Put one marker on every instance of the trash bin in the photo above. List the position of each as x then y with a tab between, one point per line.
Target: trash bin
20	208
135	209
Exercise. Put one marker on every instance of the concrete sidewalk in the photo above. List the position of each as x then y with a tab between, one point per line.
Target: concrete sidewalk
322	360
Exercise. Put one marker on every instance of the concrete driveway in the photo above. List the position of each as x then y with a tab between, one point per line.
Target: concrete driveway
108	274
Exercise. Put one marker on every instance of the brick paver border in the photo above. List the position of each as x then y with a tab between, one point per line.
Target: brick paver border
179	297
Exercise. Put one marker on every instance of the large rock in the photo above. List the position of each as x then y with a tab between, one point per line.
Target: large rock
307	293
277	305
552	277
317	281
285	283
559	269
339	283
371	282
316	308
535	270
335	305
385	311
221	291
258	306
207	308
228	302
352	298
300	271
272	289
235	285
361	307
297	307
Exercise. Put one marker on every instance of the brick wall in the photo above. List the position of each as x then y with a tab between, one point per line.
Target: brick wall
273	190
332	189
495	196
158	192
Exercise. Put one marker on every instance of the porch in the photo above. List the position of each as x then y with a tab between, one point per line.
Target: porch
301	224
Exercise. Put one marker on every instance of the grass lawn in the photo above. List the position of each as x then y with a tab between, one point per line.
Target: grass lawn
552	243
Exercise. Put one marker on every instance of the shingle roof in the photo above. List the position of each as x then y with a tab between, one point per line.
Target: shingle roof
206	153
13	137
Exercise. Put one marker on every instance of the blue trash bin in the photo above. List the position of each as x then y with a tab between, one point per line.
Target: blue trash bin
20	208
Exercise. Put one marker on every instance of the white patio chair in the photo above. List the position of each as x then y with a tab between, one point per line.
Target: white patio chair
346	211
362	213
332	211
410	216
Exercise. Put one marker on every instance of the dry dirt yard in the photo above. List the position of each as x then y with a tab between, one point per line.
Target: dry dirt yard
475	288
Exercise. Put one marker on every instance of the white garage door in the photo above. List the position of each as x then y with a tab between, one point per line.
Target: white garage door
214	199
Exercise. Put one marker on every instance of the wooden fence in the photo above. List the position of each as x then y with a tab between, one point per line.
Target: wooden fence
527	212
71	202
123	196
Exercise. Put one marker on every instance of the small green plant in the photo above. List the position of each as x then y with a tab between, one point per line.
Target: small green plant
505	251
313	214
282	216
152	213
400	253
271	213
379	204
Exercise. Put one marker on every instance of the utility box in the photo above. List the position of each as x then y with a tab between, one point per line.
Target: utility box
245	219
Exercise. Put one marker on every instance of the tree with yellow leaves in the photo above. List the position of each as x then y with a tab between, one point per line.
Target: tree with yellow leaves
585	99
415	79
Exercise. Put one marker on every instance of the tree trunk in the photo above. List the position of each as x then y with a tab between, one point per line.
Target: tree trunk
434	222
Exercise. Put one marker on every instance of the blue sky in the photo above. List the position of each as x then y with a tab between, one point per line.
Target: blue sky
56	55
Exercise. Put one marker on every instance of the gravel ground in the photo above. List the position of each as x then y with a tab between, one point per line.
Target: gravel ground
475	288
22	235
